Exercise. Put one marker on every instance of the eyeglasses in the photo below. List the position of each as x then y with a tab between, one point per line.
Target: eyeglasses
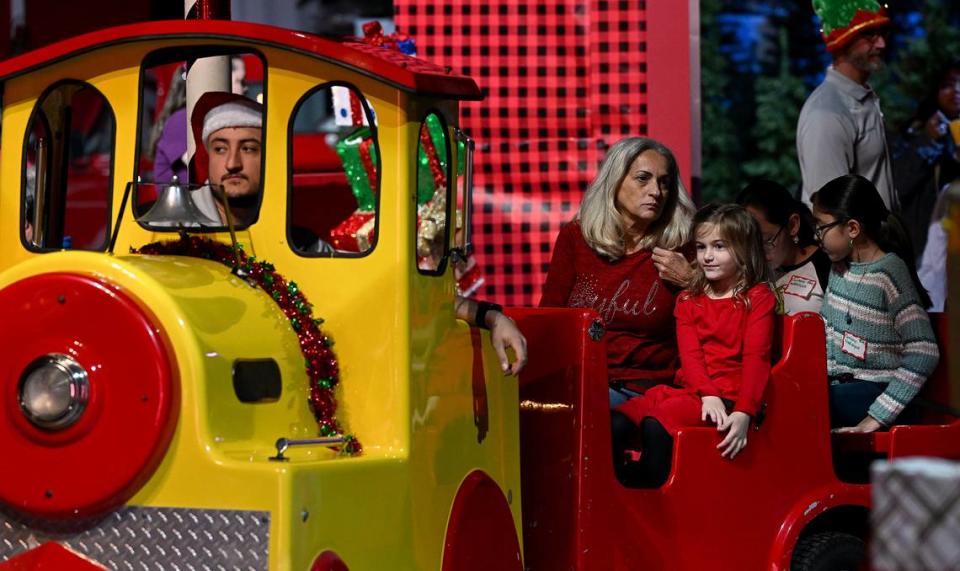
770	244
819	231
873	35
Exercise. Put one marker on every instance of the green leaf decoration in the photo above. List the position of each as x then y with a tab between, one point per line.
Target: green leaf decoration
839	13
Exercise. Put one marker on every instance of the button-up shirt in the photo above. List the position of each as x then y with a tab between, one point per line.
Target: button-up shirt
840	132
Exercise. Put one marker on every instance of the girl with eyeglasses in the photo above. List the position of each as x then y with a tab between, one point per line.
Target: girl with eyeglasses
880	346
801	269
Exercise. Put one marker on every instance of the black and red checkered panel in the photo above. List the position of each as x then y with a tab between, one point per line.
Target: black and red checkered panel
564	79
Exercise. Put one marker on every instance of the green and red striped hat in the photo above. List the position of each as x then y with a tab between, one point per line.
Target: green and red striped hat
842	20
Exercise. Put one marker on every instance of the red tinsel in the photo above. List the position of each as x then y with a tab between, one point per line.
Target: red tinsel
356	110
320	361
436	169
367	159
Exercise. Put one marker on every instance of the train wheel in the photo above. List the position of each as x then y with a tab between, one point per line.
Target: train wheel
828	551
481	534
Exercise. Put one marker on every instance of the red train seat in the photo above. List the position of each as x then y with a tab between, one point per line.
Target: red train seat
937	434
571	498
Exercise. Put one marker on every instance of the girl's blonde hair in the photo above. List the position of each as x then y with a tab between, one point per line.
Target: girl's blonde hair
601	222
743	237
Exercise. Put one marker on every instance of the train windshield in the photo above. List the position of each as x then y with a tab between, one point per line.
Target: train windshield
201	149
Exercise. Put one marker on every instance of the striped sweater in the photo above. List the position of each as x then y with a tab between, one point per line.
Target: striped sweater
880	302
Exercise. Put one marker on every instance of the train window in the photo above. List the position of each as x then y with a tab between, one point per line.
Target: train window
463	233
181	183
432	195
335	173
68	169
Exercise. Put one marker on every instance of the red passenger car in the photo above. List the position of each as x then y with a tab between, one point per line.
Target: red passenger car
783	503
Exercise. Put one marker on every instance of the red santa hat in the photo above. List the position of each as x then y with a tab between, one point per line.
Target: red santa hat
217	110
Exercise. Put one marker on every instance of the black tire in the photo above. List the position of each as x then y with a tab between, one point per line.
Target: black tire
828	551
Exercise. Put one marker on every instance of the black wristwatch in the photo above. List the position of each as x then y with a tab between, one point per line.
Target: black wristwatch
482	308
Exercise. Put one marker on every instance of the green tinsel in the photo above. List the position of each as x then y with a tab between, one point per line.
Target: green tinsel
349	150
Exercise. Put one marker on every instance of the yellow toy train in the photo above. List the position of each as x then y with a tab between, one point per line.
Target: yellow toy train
183	403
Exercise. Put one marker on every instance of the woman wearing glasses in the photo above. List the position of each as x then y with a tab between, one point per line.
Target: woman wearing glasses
801	268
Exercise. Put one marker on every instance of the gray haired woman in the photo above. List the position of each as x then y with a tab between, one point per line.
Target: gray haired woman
619	257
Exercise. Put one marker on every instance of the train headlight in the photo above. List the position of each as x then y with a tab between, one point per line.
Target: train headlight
53	391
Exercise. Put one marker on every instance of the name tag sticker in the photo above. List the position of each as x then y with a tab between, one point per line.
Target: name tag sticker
800	286
854	346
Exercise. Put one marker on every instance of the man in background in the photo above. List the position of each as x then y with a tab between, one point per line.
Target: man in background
840	130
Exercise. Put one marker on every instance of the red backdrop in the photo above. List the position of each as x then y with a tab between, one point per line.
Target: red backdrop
564	80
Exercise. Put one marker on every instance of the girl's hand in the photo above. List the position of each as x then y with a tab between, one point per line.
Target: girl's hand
736	426
868	424
672	266
713	409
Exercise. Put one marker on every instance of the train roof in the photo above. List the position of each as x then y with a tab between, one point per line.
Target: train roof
401	71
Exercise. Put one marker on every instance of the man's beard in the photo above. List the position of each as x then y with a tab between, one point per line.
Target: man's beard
245	201
870	62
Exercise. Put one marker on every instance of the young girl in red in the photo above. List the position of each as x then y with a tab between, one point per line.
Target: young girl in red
725	323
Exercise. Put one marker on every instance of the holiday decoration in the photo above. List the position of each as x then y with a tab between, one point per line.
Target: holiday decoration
359	157
358	153
431	159
319	359
431	228
842	20
373	35
356	233
347	109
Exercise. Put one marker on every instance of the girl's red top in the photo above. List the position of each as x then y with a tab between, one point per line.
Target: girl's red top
725	346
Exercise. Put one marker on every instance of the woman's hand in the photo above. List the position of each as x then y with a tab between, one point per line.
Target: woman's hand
672	267
868	424
736	426
937	126
505	333
714	409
